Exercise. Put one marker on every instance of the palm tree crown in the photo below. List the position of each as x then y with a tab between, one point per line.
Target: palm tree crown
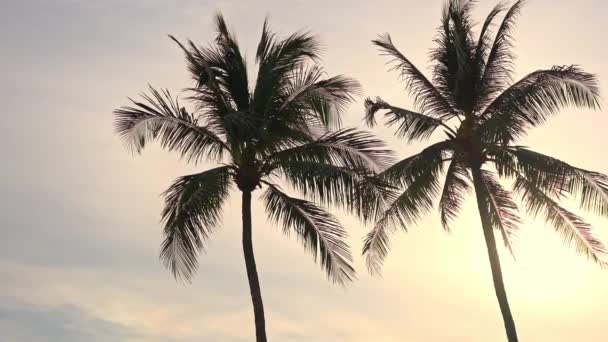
277	129
471	100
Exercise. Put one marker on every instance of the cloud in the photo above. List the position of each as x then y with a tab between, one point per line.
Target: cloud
21	322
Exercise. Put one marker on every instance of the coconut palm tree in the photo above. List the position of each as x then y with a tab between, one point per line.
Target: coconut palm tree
277	129
471	100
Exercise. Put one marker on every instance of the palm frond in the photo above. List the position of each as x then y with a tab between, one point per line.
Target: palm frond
319	231
345	147
484	43
277	60
455	72
160	117
411	125
266	42
356	190
203	64
331	98
405	171
309	98
499	204
548	173
499	63
232	67
220	71
193	206
457	184
279	135
371	197
592	189
404	210
573	228
426	96
529	102
322	182
240	126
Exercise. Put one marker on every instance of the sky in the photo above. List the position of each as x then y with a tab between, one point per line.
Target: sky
79	214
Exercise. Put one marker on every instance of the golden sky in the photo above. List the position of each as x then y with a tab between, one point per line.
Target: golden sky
80	215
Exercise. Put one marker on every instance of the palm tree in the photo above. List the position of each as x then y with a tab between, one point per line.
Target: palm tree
280	128
471	100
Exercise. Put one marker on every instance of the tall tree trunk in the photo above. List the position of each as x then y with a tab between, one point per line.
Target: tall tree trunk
488	233
252	273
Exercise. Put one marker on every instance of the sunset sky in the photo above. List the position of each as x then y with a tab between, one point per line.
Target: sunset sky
79	215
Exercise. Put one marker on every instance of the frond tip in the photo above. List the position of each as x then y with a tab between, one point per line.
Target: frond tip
574	229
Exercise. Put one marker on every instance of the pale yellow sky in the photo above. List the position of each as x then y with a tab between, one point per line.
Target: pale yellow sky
80	216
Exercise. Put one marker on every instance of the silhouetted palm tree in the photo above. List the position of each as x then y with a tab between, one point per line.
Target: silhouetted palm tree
277	129
469	98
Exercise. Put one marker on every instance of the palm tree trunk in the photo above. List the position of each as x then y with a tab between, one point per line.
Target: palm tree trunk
252	273
488	233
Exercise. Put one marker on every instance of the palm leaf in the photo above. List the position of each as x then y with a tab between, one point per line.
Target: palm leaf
232	66
454	71
426	96
547	173
592	189
345	147
277	60
499	64
193	207
325	183
404	210
203	64
529	102
411	125
405	171
318	230
484	43
573	228
455	187
498	203
160	117
309	98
